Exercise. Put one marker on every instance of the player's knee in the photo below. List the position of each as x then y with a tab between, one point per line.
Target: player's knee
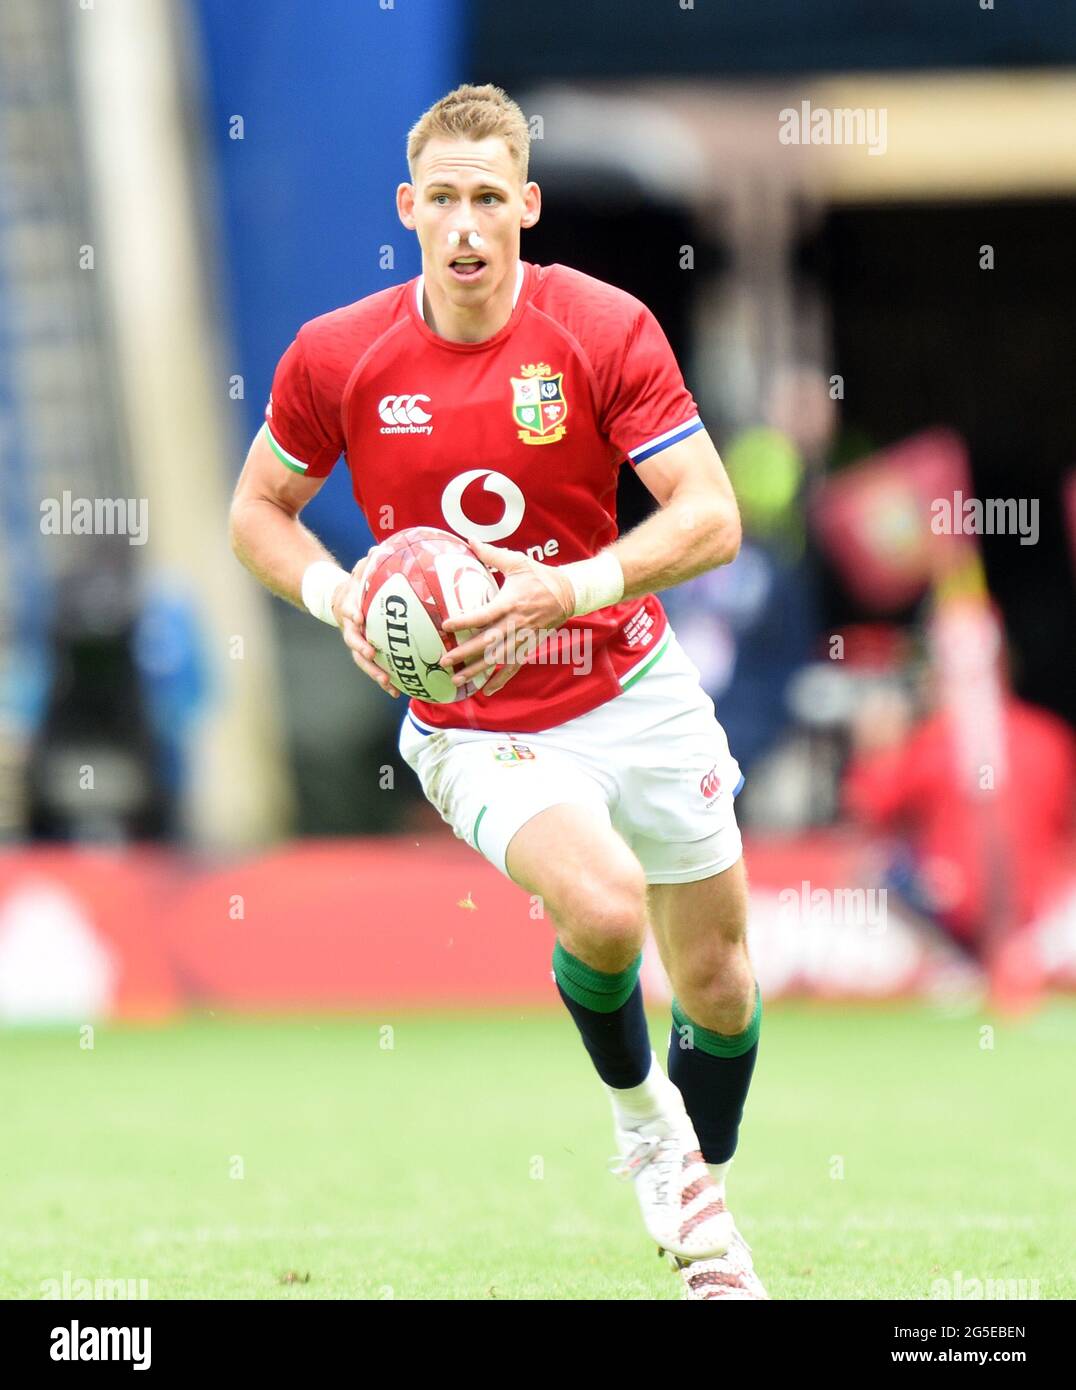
617	919
717	991
606	915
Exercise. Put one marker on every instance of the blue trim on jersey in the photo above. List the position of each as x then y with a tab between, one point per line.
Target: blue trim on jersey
739	785
685	433
418	726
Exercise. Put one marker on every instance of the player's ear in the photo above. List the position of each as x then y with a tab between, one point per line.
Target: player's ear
532	204
405	205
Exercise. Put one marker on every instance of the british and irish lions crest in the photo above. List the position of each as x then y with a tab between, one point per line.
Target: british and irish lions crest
538	404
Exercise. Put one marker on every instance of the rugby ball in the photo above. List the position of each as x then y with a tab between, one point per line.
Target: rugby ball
412	583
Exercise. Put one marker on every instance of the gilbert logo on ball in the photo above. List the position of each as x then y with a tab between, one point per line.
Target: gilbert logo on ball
412	583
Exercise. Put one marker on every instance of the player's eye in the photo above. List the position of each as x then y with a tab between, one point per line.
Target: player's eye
490	198
440	199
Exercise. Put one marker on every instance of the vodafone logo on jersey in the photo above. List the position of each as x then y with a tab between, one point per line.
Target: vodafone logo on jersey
404	414
515	504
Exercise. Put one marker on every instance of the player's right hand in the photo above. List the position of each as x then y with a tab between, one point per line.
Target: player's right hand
347	606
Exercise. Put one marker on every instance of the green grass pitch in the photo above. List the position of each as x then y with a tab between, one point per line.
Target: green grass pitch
468	1160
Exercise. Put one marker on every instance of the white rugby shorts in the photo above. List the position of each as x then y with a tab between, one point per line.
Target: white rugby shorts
653	761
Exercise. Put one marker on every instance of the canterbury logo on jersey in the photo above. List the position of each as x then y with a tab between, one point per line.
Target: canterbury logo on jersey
404	415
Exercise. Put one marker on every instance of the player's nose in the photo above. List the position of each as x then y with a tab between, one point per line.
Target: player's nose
464	234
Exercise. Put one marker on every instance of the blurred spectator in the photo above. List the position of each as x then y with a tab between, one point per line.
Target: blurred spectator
750	627
94	770
169	651
964	845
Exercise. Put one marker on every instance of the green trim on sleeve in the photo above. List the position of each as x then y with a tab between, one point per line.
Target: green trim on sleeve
288	460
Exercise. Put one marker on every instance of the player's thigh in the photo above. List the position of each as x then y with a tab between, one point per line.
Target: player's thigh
536	812
590	883
701	927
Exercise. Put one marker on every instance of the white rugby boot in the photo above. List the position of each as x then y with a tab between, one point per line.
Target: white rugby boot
683	1208
731	1275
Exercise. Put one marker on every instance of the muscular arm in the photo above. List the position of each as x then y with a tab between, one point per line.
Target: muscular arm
266	533
270	540
696	527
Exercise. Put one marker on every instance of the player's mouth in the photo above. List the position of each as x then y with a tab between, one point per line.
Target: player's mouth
467	267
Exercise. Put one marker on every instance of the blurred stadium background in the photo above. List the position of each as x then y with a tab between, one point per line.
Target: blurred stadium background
202	811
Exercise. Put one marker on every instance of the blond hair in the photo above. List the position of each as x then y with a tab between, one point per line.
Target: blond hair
473	113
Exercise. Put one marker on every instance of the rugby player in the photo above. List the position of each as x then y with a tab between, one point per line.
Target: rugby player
498	399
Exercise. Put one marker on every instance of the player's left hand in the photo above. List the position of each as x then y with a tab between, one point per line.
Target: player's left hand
533	597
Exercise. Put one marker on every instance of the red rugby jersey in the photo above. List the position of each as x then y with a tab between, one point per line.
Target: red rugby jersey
516	441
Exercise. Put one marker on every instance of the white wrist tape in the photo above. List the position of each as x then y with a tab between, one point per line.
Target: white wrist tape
597	582
320	581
